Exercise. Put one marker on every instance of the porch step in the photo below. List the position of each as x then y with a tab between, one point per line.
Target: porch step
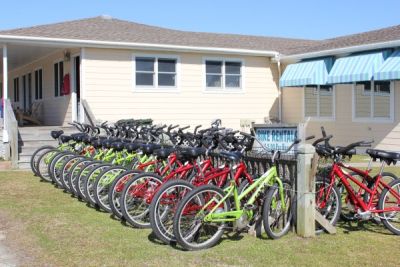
31	138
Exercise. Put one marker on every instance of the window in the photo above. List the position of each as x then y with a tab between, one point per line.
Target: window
58	78
221	74
155	72
16	90
319	101
38	84
375	106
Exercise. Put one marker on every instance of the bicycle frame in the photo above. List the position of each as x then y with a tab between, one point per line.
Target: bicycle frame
257	186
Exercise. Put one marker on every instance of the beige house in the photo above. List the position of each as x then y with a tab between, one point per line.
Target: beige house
123	69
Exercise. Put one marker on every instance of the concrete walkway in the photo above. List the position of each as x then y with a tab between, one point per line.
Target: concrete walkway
7	259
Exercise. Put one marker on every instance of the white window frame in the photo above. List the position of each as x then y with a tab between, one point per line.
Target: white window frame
372	118
156	88
223	88
318	117
34	84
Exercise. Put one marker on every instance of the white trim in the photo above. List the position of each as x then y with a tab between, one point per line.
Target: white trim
343	50
83	83
223	89
5	90
74	99
373	119
156	88
133	45
317	93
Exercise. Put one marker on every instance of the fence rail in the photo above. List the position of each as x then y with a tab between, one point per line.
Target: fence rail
11	126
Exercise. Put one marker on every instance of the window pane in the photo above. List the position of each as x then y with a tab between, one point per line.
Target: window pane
362	100
310	101
382	87
325	89
365	85
232	67
213	66
144	79
40	84
214	80
166	65
36	84
61	77
166	79
144	64
232	81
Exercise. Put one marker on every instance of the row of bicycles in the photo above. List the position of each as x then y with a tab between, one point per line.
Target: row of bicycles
168	178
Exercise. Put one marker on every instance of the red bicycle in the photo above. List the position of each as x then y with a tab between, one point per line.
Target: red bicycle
369	197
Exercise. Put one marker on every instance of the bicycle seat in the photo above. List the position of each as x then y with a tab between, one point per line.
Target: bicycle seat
107	143
350	152
86	139
231	156
148	149
389	157
163	153
193	152
65	138
117	146
56	134
132	146
97	143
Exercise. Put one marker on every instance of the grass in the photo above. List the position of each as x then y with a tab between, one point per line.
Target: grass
45	226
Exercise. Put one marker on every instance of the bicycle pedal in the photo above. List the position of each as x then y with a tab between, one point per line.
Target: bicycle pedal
250	207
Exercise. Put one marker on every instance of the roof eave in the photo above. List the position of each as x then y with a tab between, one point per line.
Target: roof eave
339	51
32	40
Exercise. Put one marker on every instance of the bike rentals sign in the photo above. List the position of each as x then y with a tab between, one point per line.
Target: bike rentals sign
275	136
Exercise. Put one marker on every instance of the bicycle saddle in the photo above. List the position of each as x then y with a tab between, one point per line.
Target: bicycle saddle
117	146
389	157
163	153
350	152
148	149
107	143
97	143
65	138
86	139
132	146
231	156
193	152
56	134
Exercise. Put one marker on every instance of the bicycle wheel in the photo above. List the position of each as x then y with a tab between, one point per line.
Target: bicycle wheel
163	207
66	171
136	198
74	174
327	202
35	158
389	202
90	179
191	231
102	185
56	167
276	218
116	188
43	164
80	181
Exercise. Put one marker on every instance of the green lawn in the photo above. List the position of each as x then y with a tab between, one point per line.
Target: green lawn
48	227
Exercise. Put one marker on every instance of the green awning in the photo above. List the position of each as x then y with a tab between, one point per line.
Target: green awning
355	68
312	72
390	70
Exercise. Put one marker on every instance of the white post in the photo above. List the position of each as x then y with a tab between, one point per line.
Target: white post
5	90
305	191
82	81
73	95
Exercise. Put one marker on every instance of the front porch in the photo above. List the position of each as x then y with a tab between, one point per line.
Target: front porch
40	91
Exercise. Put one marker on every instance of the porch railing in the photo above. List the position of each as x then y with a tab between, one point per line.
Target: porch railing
88	114
11	127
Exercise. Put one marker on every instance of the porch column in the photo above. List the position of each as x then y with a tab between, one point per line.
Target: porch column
5	90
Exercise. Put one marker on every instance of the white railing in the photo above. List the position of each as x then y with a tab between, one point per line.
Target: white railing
11	127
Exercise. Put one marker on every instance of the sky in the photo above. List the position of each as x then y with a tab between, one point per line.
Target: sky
307	19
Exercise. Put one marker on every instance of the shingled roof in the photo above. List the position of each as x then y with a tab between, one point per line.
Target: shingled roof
105	28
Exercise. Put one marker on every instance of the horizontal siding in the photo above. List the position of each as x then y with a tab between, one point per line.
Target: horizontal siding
344	130
111	96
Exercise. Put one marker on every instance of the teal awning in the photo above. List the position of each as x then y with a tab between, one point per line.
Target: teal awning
355	68
390	70
312	72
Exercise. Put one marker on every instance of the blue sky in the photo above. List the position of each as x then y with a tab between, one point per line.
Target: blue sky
311	19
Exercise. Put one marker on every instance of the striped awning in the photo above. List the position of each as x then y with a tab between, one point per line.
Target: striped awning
312	72
355	68
390	70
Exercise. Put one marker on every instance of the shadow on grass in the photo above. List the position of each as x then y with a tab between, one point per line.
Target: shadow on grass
365	226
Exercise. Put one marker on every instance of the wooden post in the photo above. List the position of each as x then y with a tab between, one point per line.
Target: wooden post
305	192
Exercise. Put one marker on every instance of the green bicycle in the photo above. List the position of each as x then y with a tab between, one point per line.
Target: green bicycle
206	212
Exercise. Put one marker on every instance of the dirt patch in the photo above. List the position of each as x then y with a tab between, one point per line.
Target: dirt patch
15	245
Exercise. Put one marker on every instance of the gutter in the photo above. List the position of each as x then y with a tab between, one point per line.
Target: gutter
128	45
343	50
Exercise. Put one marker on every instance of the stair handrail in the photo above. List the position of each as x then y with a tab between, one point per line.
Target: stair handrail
88	113
11	127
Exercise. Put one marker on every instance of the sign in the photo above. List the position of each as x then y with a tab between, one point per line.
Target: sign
275	136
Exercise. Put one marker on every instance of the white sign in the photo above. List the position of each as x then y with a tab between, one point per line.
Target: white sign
275	137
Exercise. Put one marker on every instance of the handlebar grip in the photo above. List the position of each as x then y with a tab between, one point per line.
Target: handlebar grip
310	137
184	128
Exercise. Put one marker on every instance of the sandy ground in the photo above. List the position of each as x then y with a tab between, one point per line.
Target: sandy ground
7	258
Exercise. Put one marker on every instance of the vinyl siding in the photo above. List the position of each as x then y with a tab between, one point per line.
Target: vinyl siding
111	95
54	110
344	130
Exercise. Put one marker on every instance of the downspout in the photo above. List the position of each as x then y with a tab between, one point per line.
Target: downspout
278	61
